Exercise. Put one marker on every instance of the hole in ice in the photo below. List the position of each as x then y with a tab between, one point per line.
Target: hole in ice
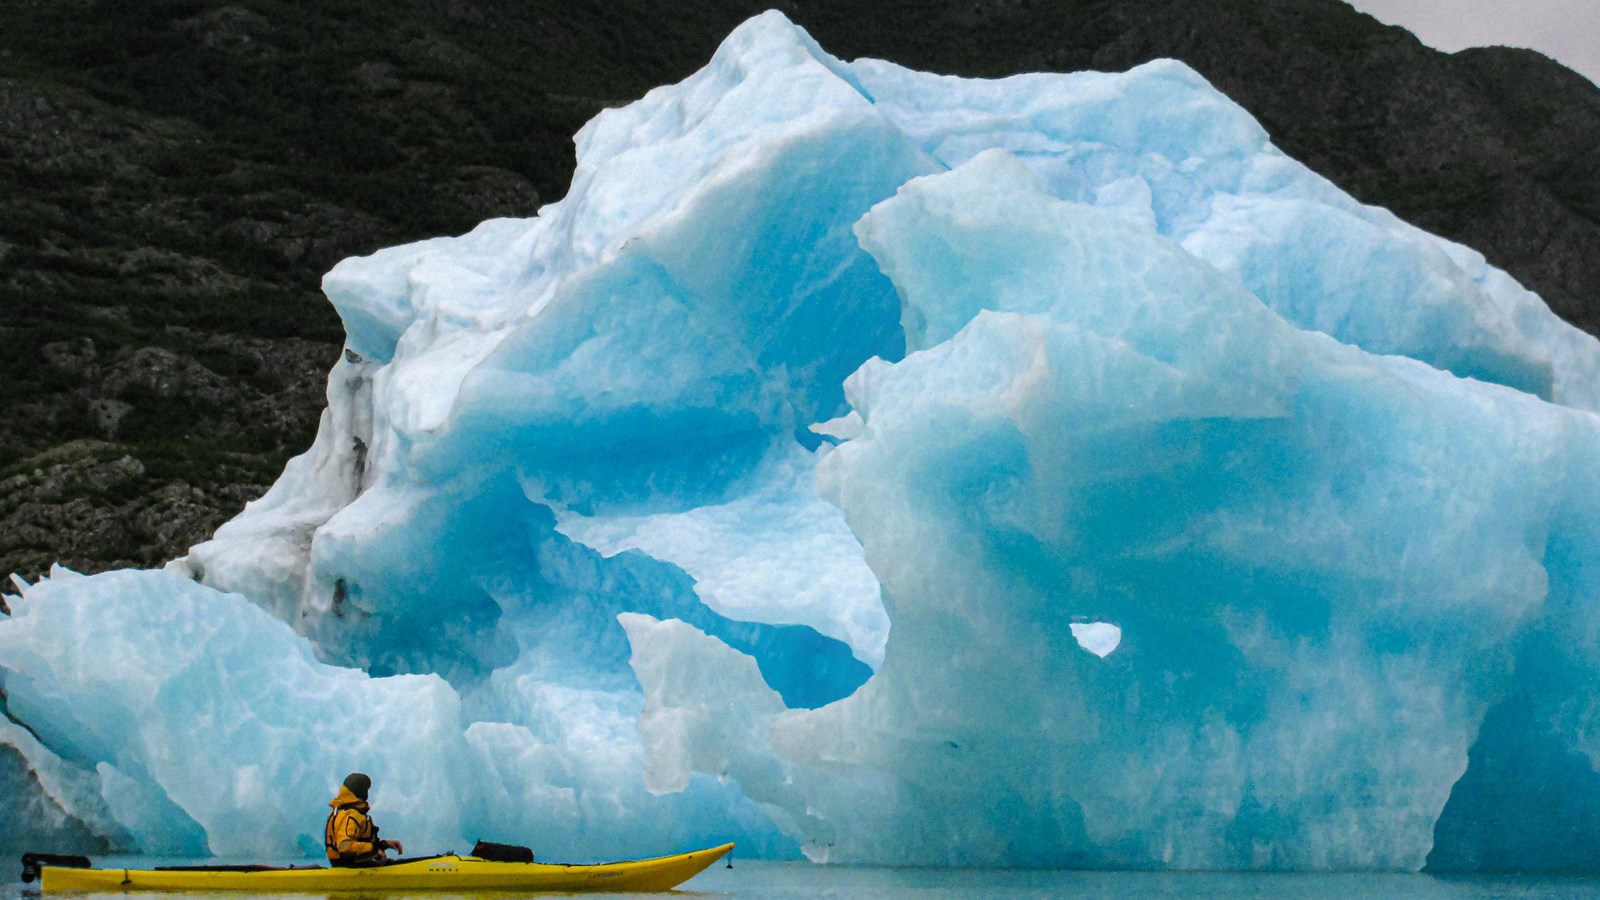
1099	638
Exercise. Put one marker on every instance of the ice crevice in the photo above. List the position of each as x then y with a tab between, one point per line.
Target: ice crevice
889	468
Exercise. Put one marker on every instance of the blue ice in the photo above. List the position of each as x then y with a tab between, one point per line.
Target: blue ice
891	468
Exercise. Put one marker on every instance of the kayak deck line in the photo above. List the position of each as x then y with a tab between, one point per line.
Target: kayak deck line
449	872
262	867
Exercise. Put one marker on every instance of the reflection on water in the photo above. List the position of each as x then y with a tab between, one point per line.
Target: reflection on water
756	880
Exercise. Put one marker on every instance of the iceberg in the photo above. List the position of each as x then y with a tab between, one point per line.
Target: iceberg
889	468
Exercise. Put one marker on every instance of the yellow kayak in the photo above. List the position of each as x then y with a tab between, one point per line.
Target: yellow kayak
439	873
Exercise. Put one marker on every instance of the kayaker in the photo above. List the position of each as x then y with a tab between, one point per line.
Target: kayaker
351	837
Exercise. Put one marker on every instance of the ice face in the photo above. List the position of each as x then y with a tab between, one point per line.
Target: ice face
898	468
194	715
1276	521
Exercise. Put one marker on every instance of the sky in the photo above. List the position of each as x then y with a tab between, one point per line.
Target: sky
1567	31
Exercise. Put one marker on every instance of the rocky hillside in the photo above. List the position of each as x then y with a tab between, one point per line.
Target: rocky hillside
179	173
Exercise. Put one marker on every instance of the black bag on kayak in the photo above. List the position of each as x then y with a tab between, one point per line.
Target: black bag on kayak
32	862
501	852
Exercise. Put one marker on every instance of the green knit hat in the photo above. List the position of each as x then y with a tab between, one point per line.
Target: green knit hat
358	784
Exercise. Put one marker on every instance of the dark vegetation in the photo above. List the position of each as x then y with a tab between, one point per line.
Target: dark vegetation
177	174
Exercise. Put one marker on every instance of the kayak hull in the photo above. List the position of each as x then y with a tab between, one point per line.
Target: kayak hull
442	873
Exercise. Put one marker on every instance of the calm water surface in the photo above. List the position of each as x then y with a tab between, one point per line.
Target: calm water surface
757	880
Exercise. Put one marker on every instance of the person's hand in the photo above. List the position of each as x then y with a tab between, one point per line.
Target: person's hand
396	846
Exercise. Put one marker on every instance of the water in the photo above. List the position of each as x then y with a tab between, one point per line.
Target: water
759	880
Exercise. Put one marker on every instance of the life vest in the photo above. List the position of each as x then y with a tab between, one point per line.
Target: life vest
350	837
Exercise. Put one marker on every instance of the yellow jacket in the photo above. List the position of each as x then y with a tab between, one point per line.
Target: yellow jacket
351	836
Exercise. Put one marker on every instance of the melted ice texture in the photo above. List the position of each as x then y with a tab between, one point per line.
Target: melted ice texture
896	468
